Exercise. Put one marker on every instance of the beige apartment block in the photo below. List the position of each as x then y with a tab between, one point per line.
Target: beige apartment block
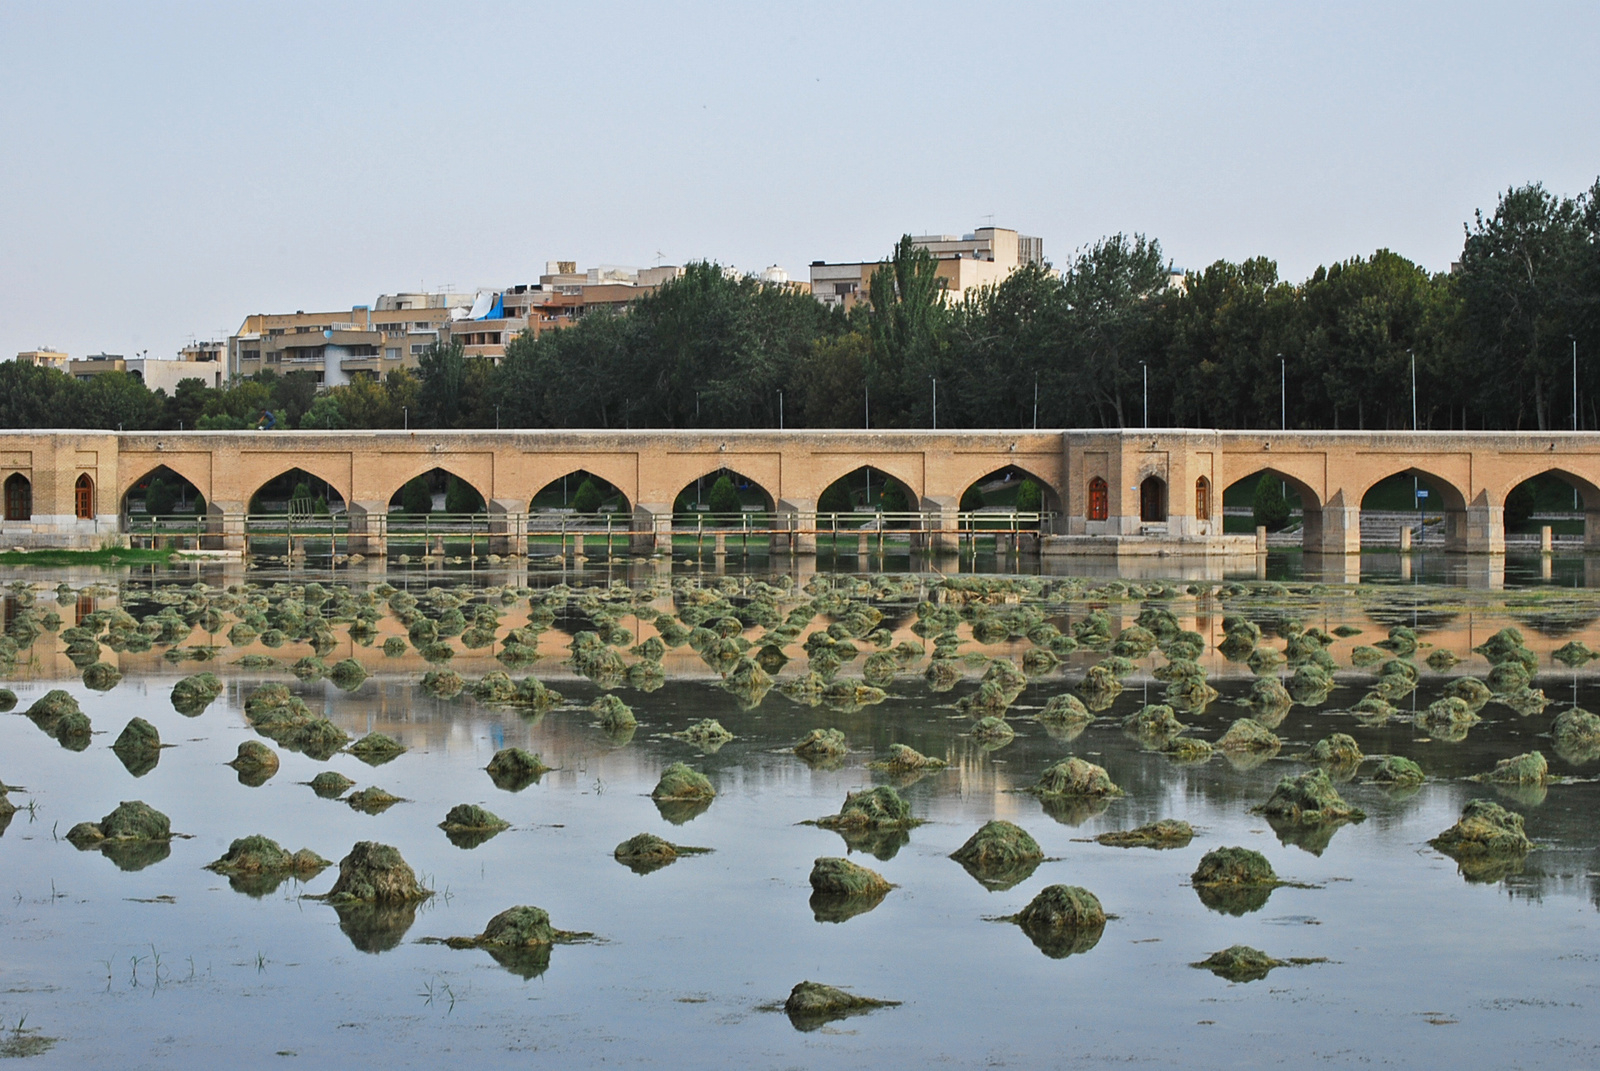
982	258
45	357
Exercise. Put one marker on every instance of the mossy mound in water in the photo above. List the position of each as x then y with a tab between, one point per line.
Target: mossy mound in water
848	695
138	737
263	855
1576	731
101	676
1234	866
1530	768
812	1004
1442	660
614	714
1247	734
875	808
679	782
132	820
1100	684
1186	749
1268	693
1309	797
1065	709
514	769
1447	716
646	852
990	698
372	800
51	707
191	695
254	757
1469	690
523	928
1574	654
1265	660
1486	829
1241	963
1340	750
905	759
1525	701
992	730
469	817
706	733
285	718
1364	655
347	674
1167	833
1075	777
1062	920
1398	772
822	744
376	873
831	876
440	683
376	748
1154	721
330	784
1374	709
999	855
8	700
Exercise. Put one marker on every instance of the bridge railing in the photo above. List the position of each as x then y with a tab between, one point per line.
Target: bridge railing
569	534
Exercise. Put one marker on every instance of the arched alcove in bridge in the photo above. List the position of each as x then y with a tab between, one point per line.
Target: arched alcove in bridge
580	492
721	494
162	492
436	491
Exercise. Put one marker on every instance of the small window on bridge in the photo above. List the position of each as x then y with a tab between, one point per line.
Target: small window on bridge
1099	500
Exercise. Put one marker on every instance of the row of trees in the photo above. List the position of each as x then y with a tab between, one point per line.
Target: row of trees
1491	344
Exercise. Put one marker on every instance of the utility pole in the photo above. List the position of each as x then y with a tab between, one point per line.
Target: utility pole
1574	382
866	404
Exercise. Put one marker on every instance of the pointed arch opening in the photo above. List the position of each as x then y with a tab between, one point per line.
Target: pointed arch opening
161	492
19	497
1555	499
83	498
1266	498
296	492
436	491
864	494
723	497
1010	488
580	492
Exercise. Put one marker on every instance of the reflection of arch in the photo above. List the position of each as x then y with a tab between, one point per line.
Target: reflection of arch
864	489
697	492
281	488
1153	500
1202	499
180	488
1099	500
1012	477
460	494
19	498
559	492
83	498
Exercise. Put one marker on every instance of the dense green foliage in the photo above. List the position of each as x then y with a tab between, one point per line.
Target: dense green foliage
1492	343
724	497
1269	505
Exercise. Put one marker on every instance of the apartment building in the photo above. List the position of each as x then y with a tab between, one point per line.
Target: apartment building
200	361
45	357
982	258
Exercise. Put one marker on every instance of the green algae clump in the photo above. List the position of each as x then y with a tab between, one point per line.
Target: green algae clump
138	737
1340	750
50	708
812	1005
993	730
1000	855
680	782
376	748
906	759
646	852
1247	734
1398	772
1486	831
439	683
1241	963
101	676
347	674
133	820
1153	722
875	808
822	744
1075	777
1577	735
1308	798
1530	768
1166	833
330	784
372	800
376	873
1062	920
1065	709
514	769
193	694
1234	866
831	876
615	715
255	758
263	855
706	734
467	825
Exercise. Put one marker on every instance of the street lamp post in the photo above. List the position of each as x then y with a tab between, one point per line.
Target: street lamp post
935	380
405	417
1145	371
1413	390
1283	394
1574	383
497	418
1036	401
780	410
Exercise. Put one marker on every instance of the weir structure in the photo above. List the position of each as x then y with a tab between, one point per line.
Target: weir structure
1102	492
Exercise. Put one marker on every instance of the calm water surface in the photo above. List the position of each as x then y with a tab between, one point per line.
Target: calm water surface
170	966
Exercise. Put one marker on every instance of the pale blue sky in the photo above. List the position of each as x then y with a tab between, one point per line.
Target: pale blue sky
167	169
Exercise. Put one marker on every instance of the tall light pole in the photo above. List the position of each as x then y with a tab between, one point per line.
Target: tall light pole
1145	371
405	417
1283	394
1413	390
1036	401
1574	382
497	418
935	380
780	410
866	404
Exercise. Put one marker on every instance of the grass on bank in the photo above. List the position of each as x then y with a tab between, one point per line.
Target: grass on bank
103	556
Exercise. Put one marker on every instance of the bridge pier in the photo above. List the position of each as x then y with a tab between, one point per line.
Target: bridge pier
508	527
1481	525
652	528
939	515
799	516
368	533
231	516
1333	529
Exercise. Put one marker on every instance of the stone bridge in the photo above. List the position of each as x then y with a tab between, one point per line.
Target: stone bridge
1119	492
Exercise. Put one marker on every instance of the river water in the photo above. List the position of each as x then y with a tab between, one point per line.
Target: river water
163	963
